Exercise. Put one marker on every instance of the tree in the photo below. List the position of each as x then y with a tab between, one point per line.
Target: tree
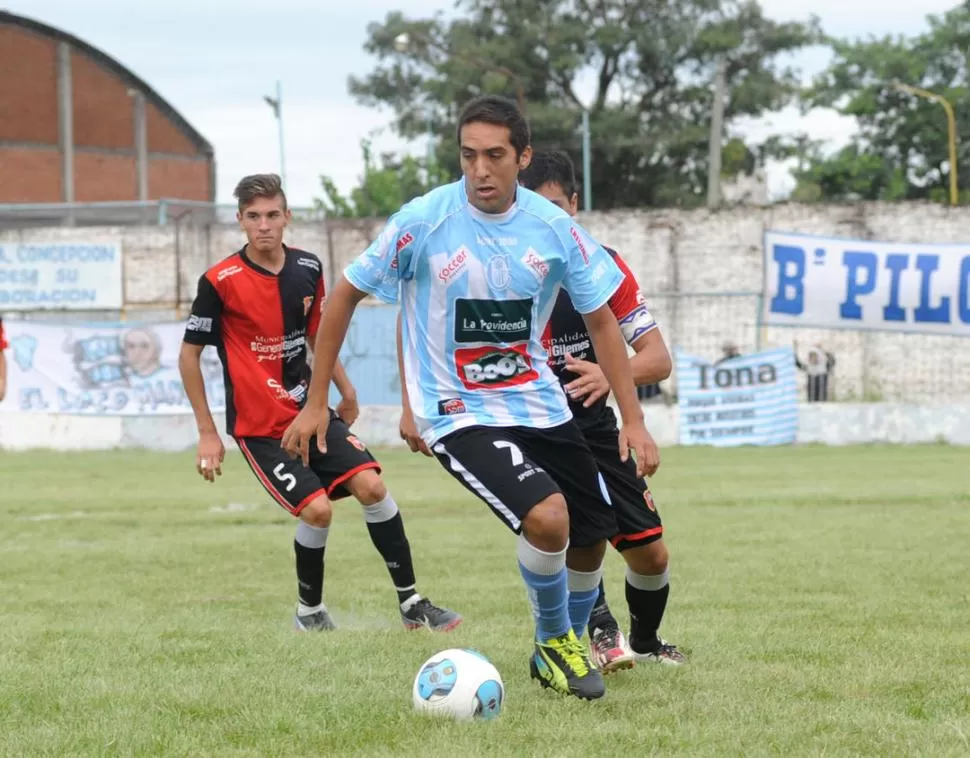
383	189
901	150
651	61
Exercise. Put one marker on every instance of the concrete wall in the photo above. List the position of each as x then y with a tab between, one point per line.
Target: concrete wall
693	265
825	423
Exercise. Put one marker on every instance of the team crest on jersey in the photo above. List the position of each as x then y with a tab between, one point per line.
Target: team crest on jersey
307	304
498	270
648	499
356	442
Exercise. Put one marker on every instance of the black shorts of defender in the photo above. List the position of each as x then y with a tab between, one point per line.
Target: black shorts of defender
638	522
293	485
512	469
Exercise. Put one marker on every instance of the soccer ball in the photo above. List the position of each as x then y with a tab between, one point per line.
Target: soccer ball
459	684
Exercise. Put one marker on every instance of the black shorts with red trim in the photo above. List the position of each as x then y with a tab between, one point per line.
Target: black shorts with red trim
293	485
636	514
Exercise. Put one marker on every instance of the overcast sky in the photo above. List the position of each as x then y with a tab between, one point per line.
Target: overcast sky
213	60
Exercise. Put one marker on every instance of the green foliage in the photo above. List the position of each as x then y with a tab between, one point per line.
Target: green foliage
384	187
901	150
652	62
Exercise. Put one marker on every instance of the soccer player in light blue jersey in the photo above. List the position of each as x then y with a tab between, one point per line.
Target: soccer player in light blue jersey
477	266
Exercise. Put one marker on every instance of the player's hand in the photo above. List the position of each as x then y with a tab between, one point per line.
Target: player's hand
348	409
409	433
635	437
590	382
209	456
296	438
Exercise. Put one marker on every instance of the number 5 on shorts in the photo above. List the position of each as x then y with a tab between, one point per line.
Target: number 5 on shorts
517	458
288	479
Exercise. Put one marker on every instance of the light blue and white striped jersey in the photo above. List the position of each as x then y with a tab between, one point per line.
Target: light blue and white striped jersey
476	291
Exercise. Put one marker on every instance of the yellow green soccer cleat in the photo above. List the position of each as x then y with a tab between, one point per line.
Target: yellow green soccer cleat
561	664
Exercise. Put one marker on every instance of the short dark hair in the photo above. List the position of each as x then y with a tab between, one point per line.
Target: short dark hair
493	109
550	166
258	185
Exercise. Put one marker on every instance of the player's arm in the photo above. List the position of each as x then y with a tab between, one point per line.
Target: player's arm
374	272
348	408
203	328
591	279
407	428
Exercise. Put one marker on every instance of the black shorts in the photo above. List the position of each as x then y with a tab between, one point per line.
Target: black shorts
637	518
293	485
515	468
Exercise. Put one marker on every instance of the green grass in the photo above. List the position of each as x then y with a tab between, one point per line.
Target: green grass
821	593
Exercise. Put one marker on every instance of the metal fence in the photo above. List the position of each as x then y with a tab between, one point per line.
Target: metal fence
134	213
869	366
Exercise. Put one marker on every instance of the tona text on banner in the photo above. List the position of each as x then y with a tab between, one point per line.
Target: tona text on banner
858	284
748	400
60	276
109	370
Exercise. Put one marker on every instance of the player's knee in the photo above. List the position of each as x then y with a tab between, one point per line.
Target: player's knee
648	560
367	487
587	558
317	512
547	524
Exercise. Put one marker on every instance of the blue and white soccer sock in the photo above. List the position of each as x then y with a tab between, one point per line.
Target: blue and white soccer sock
548	588
584	589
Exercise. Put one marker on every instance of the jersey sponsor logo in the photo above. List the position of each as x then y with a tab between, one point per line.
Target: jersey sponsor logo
227	272
273	348
579	242
534	261
498	271
488	368
451	406
495	321
406	239
575	344
455	265
199	324
309	263
394	262
599	272
296	394
356	443
307	304
496	241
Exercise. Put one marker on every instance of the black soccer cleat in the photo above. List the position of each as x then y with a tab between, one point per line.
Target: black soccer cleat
426	614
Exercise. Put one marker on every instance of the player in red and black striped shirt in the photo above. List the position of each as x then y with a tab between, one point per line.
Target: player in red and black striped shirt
259	307
572	358
3	362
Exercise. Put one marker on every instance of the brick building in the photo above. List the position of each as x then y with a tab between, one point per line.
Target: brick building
77	126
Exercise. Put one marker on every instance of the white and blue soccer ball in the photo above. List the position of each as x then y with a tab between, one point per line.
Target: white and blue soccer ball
459	684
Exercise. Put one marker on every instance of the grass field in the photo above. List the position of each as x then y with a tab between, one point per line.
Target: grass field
821	593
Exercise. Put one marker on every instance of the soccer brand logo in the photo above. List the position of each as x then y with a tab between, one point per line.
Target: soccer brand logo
227	272
495	321
498	271
579	242
486	368
451	407
455	265
199	324
534	261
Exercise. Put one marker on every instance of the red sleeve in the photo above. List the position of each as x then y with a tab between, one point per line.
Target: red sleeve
627	298
3	338
628	305
320	300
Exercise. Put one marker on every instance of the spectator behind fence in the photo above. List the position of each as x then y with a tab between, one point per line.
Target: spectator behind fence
817	369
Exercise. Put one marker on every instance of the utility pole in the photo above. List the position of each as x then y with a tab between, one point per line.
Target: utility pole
717	129
276	103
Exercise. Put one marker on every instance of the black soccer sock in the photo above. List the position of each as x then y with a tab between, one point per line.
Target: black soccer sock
309	546
386	529
647	598
601	617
